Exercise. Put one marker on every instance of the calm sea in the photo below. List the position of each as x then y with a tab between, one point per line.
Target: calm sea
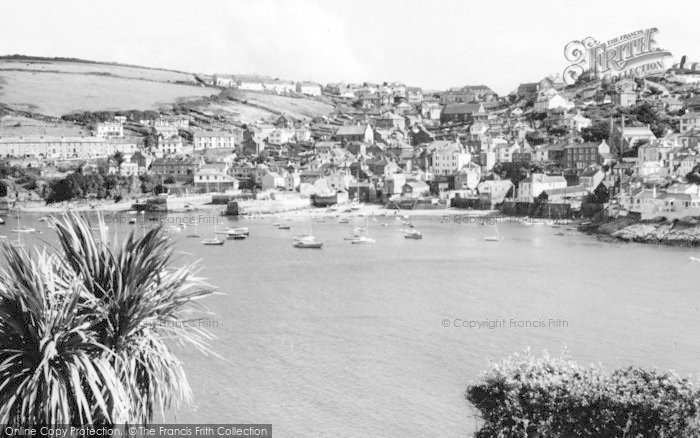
349	341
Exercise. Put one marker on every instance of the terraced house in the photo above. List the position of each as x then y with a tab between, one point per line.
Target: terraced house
213	140
63	147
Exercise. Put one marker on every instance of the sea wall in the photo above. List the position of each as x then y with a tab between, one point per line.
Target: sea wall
537	209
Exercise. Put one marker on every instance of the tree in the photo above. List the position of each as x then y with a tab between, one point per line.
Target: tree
83	328
599	130
118	158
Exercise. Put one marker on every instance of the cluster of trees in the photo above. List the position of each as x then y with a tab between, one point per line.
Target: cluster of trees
91	117
100	184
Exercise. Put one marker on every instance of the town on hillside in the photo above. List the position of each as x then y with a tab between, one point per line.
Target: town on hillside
600	146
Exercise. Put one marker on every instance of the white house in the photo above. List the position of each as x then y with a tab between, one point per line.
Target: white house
530	188
468	177
291	181
110	129
210	179
449	157
272	181
280	136
551	99
279	87
338	180
213	140
169	146
505	151
309	88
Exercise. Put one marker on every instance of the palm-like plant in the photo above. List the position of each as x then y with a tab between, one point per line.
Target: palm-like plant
83	329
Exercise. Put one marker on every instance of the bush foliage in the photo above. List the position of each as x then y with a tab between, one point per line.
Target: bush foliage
86	328
555	397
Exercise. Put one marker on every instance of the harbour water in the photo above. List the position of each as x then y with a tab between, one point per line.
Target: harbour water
369	340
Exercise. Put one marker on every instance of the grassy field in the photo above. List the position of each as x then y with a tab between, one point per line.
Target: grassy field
58	87
253	106
150	74
56	94
17	126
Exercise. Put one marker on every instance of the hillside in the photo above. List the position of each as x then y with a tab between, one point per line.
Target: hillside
54	87
248	106
58	88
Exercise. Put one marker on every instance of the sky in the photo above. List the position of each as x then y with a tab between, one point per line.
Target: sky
432	44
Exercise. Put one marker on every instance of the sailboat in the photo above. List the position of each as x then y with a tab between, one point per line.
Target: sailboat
213	240
412	232
307	241
494	238
362	239
18	243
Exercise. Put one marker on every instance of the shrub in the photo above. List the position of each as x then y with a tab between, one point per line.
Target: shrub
556	397
84	328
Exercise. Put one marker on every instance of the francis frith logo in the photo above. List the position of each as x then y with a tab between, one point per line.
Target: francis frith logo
630	55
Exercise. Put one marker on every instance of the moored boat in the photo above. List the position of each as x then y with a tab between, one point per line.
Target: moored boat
213	241
362	240
413	234
233	235
310	244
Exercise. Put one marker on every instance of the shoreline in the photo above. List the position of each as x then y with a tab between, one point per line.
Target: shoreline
627	229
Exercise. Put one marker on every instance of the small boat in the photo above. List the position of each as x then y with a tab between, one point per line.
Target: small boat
213	241
132	220
43	219
362	240
559	234
284	226
343	221
413	234
132	212
353	237
2	221
172	229
308	242
27	230
235	236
